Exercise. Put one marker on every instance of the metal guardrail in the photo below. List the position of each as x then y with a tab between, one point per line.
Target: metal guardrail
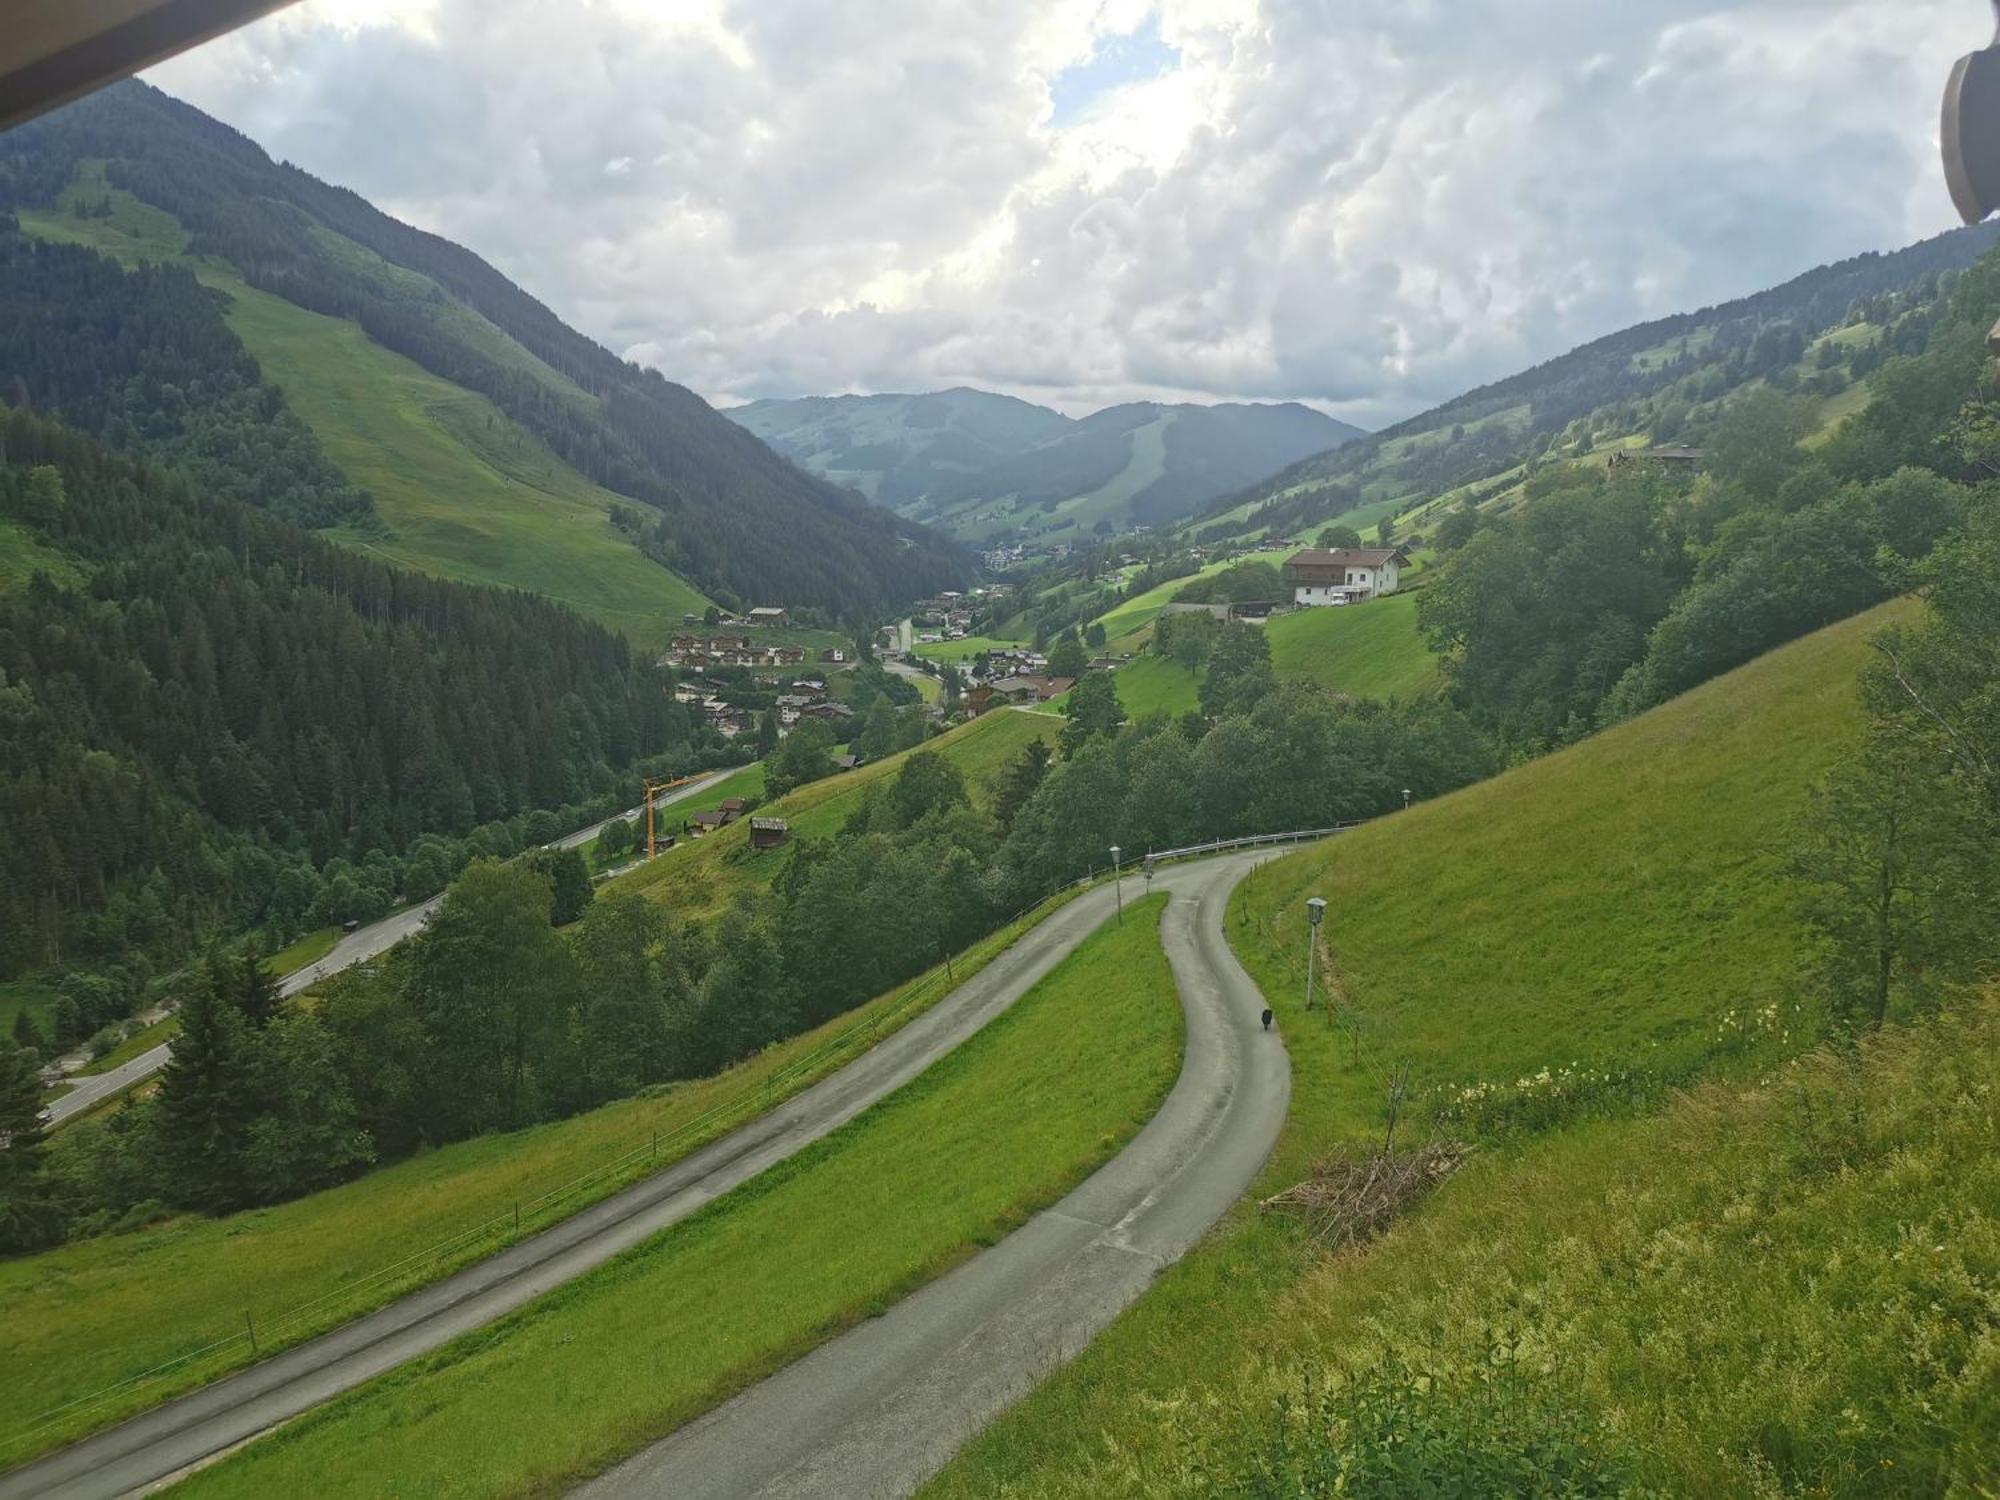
1254	841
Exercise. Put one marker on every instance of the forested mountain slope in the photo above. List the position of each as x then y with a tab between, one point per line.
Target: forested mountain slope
1821	336
717	506
214	720
989	467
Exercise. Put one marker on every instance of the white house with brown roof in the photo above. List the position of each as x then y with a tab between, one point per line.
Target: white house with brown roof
1343	575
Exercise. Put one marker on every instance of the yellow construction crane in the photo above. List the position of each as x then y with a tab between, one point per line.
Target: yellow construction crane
653	789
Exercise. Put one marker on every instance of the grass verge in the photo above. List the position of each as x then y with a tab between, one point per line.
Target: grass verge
1002	1127
309	949
145	1039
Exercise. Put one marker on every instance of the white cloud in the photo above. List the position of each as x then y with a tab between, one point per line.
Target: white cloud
1369	205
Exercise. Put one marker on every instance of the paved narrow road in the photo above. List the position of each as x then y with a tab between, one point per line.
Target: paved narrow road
880	1409
161	1443
355	947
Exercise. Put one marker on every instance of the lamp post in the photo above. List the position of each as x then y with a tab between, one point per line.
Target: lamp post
1316	911
1116	886
1406	799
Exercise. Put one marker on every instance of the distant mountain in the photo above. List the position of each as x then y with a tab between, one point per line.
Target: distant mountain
985	467
494	439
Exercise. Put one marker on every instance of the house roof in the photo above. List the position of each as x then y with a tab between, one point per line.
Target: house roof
770	825
1345	557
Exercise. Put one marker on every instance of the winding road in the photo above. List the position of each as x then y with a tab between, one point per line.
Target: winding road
92	1089
883	1407
880	1408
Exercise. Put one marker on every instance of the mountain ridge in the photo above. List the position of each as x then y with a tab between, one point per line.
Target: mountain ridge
731	515
992	467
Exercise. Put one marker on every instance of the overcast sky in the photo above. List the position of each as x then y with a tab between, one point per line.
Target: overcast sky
1370	205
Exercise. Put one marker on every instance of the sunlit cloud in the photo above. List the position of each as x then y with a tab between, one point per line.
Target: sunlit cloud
1369	206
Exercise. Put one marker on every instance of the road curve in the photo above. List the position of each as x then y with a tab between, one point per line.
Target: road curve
171	1438
355	947
880	1409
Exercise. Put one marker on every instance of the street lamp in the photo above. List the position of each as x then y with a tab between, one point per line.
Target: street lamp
1406	799
1116	886
1316	911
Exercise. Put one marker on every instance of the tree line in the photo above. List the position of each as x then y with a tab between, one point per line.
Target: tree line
229	719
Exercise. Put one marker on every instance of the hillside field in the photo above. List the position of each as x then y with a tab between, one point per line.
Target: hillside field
463	492
1367	650
1615	907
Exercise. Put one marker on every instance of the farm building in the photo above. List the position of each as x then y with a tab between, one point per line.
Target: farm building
1343	575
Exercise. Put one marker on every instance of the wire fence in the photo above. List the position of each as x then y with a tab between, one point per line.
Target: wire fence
529	1217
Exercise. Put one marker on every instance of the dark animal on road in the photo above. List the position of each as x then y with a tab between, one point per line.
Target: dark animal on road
1267	1020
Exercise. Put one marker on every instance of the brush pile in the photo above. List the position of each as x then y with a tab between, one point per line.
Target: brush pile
1353	1196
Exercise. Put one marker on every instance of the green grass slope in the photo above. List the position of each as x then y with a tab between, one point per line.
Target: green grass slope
1000	1128
98	1329
463	491
1616	907
1368	650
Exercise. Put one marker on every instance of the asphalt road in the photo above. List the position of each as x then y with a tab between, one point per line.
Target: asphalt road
880	1409
181	1434
355	947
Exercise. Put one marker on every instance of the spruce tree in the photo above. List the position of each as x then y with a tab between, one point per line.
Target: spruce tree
205	1102
28	1214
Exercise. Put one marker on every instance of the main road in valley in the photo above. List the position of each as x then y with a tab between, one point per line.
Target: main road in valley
364	943
880	1408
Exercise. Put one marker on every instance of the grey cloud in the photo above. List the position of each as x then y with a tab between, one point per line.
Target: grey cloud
1387	200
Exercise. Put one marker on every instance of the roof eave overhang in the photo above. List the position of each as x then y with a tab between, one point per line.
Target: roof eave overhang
53	51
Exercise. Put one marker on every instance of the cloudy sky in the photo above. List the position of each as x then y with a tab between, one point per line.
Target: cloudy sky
1366	204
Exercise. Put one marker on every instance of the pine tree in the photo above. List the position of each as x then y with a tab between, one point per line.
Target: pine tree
28	1214
205	1102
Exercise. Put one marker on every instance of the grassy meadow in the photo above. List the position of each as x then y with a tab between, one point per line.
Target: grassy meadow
1142	609
1000	1128
1151	684
1367	650
962	651
463	492
87	1316
1616	908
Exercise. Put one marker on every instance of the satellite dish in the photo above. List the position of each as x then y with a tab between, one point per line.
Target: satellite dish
1972	131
